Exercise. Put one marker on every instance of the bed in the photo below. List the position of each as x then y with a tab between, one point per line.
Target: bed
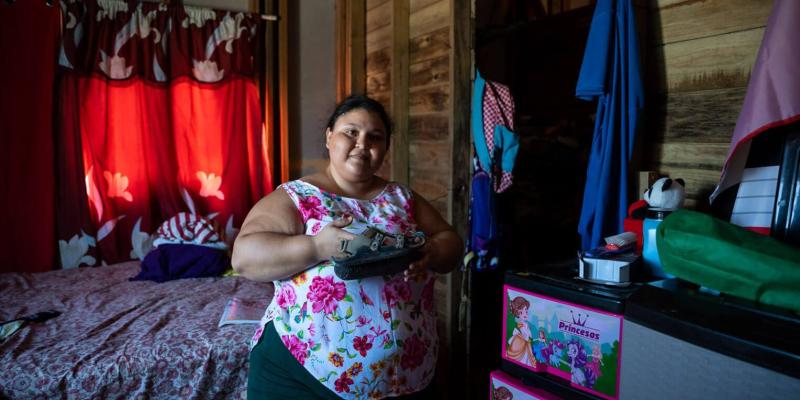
121	339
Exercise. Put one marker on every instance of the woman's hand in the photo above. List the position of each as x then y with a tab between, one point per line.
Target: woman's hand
417	269
328	242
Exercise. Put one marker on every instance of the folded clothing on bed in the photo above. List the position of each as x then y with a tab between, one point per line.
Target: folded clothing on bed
188	228
177	261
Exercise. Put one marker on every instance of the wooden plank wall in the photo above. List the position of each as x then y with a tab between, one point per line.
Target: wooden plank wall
429	89
699	58
428	137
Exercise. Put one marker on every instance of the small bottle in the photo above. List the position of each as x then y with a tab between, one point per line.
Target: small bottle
652	264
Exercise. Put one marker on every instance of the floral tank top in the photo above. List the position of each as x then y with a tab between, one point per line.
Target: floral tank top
368	338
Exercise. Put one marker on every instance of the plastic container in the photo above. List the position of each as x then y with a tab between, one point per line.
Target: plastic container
650	260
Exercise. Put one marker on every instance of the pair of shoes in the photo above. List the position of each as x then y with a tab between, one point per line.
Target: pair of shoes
375	253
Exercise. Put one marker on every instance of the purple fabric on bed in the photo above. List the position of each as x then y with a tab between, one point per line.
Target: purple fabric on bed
178	261
121	339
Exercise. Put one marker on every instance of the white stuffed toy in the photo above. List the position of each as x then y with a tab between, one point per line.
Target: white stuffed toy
666	193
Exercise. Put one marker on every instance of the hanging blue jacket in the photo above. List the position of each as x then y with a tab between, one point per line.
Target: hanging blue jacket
610	74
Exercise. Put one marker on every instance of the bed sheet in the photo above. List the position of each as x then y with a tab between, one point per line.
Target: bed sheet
122	339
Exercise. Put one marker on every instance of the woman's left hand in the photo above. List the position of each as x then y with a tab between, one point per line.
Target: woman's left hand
417	269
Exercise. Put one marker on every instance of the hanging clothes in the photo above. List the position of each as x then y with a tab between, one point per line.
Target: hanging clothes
610	74
495	150
772	98
496	144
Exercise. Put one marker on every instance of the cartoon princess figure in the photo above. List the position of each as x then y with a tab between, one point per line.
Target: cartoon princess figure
519	345
597	360
539	346
501	393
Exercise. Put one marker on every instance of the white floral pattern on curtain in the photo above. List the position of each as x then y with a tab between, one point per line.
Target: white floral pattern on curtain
159	113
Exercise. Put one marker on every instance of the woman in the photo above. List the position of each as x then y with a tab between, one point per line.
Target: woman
519	345
322	337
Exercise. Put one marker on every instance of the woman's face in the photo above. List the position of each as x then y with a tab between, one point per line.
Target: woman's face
357	144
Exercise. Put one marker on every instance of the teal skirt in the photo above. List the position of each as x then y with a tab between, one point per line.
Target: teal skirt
275	374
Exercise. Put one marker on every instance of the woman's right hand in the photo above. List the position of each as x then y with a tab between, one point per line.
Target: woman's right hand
328	242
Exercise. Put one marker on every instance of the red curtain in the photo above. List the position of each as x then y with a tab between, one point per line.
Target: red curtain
159	113
29	31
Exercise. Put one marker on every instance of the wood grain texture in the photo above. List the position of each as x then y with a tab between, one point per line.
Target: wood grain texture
379	82
704	116
715	62
356	47
379	17
430	18
433	126
430	72
686	20
416	5
375	3
400	90
379	61
429	46
705	156
429	99
378	37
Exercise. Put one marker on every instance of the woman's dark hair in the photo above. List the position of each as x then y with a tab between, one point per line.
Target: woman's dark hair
359	101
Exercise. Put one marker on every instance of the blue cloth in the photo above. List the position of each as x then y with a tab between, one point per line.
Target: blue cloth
610	74
481	149
178	261
506	142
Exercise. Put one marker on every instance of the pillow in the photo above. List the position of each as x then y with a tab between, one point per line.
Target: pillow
178	261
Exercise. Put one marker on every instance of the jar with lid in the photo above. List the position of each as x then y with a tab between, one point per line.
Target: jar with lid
650	260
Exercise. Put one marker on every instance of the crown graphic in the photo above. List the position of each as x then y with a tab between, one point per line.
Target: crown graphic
578	320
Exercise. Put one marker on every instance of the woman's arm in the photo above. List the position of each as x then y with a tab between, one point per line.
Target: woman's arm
443	248
272	244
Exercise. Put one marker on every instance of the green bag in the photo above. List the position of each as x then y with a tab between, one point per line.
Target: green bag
725	257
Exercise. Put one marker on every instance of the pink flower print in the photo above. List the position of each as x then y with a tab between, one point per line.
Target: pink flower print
310	207
398	221
312	330
364	297
427	295
397	290
118	185
362	344
387	341
296	347
324	294
362	211
413	353
286	297
390	296
316	228
386	315
343	383
403	290
409	208
377	331
209	185
363	320
257	335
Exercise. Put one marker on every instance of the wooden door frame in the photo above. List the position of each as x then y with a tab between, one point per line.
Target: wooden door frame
351	48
